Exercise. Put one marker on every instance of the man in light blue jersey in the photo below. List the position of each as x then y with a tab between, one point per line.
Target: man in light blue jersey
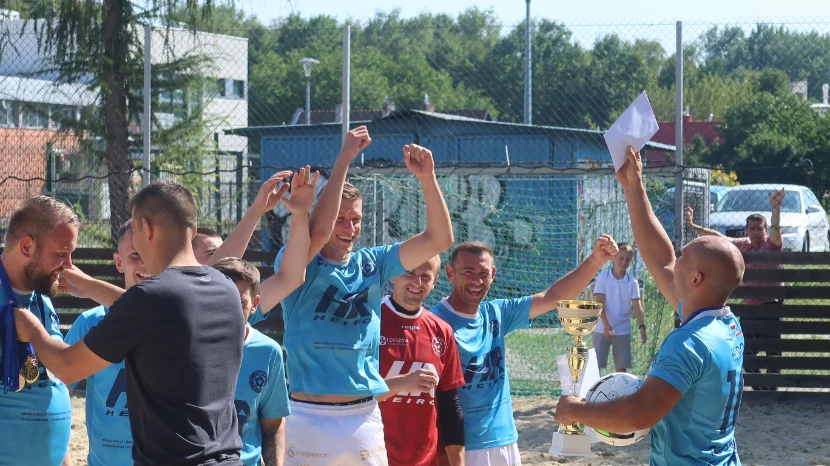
261	394
692	394
332	322
208	245
35	422
480	327
107	416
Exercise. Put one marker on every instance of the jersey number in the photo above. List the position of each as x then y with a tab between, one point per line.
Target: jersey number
733	404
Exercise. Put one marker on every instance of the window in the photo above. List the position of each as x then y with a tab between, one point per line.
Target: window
220	87
239	89
63	115
35	116
757	200
6	113
810	199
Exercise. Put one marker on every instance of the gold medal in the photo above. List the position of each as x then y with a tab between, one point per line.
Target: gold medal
30	371
21	383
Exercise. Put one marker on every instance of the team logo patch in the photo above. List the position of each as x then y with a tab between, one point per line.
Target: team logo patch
258	380
369	268
495	328
438	346
382	340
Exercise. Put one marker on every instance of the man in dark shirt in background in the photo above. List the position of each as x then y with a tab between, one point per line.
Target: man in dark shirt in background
169	330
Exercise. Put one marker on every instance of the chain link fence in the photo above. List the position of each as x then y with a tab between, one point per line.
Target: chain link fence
231	104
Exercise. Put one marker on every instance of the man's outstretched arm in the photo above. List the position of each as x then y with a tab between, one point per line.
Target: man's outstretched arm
269	196
438	235
699	230
652	240
574	283
68	363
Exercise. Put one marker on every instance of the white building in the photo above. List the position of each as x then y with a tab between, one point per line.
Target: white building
31	99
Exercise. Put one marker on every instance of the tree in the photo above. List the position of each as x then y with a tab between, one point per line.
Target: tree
99	43
775	139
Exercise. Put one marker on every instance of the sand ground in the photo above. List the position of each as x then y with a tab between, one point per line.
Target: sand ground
768	435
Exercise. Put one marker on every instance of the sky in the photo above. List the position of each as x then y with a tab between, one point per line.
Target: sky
650	19
513	11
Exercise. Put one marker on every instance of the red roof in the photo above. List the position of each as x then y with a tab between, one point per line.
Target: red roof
691	128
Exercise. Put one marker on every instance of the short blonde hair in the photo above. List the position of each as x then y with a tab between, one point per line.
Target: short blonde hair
37	217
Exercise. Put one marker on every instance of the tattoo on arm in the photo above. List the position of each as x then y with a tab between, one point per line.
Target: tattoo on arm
273	447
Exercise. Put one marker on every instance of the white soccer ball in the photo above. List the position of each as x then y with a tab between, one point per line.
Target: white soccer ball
609	388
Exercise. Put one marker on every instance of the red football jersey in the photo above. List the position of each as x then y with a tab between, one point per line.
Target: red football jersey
410	420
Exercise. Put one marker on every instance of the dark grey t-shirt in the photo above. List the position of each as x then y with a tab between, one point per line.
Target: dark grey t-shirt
180	335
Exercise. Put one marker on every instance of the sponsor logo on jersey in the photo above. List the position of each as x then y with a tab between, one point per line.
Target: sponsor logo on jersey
397	370
366	454
410	327
305	454
393	341
352	309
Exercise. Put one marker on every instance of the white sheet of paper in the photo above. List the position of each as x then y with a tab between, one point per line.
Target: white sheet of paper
589	377
634	128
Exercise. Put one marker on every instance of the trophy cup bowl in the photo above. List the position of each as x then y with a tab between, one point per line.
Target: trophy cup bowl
578	319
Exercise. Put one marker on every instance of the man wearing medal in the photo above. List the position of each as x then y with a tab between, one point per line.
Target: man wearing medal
35	411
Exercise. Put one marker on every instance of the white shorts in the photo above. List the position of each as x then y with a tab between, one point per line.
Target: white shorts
321	435
507	455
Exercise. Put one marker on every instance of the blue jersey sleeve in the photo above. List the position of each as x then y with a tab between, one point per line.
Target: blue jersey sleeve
273	402
388	259
681	360
75	334
515	313
257	316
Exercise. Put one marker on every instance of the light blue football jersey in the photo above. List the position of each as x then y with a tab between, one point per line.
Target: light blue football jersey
107	416
260	392
703	360
36	423
332	323
257	316
485	396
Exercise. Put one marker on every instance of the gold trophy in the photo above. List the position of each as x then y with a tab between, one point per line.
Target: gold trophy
578	318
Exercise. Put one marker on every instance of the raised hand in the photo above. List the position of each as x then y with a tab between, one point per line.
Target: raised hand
269	195
356	140
418	160
631	172
605	248
689	214
776	198
302	191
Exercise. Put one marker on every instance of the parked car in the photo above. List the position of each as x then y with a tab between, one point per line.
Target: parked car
693	190
804	225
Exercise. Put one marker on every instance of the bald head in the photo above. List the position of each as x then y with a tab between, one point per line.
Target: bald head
720	263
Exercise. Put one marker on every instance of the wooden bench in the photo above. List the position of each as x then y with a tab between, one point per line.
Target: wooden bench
98	263
805	341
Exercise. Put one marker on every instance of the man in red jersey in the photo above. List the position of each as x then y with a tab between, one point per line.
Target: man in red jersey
419	362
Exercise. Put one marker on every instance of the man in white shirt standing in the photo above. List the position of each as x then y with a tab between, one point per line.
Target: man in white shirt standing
618	292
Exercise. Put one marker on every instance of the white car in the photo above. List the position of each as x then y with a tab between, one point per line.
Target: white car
804	225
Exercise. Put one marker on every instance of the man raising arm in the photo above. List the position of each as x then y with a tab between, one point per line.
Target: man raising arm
693	392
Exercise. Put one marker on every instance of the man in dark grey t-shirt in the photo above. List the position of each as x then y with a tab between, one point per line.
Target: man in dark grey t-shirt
177	333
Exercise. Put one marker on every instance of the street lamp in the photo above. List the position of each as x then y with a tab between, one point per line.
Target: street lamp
308	64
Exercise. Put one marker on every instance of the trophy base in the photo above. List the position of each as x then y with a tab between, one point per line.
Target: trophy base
570	445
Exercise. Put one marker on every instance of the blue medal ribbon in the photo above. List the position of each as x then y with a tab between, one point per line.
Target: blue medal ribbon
15	353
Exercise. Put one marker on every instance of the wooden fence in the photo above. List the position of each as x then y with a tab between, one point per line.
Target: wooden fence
803	323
